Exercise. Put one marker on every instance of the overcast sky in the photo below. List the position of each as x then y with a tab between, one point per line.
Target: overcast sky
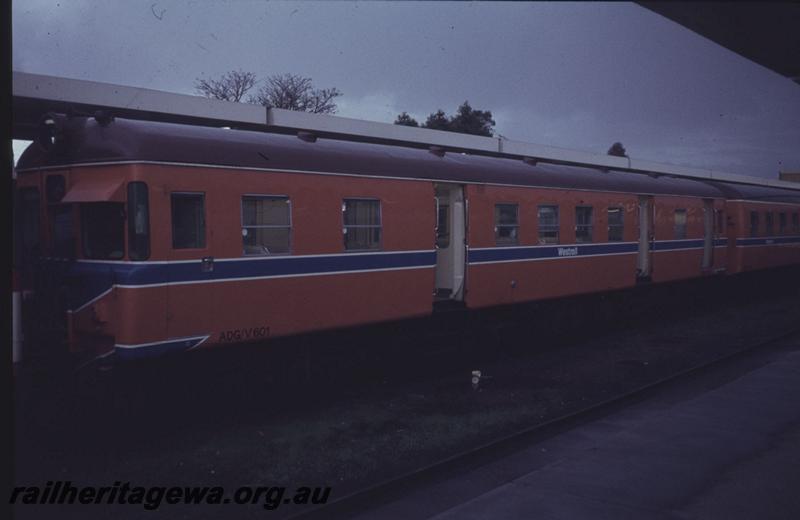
574	75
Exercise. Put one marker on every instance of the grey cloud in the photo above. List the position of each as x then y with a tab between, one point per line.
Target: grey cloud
572	75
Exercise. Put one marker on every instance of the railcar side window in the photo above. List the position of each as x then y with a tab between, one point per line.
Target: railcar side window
796	222
770	223
103	230
583	224
548	224
188	221
266	225
616	223
138	221
782	223
754	223
362	224
680	224
506	224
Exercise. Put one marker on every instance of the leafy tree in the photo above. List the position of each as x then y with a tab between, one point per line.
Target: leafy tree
438	121
469	121
466	121
295	92
231	86
405	120
617	150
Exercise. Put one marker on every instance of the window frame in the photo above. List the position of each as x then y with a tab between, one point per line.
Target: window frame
497	225
783	223
130	215
621	225
684	235
590	225
796	222
371	226
769	223
204	245
244	226
548	227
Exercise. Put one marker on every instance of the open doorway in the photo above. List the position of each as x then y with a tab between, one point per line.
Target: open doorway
644	258
450	242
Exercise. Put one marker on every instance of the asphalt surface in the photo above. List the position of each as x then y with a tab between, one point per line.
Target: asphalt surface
723	445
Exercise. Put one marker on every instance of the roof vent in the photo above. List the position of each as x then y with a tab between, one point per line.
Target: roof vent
530	160
103	118
437	150
308	137
48	133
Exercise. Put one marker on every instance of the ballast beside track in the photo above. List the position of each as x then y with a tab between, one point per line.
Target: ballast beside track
382	492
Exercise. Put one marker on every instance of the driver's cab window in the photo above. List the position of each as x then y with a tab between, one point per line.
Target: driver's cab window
266	225
103	230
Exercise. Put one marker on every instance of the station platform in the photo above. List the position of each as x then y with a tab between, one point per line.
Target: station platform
724	444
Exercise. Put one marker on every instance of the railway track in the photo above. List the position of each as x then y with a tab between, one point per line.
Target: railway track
365	499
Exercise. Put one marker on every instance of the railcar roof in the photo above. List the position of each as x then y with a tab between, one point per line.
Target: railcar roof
757	193
122	140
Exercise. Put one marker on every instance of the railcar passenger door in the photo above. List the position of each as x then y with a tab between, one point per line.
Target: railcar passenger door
450	242
644	260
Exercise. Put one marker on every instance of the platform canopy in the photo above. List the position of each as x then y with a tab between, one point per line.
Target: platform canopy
767	33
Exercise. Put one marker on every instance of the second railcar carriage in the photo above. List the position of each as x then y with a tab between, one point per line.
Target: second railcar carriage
166	237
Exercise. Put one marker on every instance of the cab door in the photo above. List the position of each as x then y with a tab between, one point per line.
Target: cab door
192	304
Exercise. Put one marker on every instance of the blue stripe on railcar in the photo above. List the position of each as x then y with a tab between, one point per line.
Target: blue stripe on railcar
133	352
509	254
767	241
671	245
91	279
300	265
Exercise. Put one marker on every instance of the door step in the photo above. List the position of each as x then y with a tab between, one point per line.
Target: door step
448	305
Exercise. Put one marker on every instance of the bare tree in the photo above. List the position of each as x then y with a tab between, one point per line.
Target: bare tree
231	86
295	92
